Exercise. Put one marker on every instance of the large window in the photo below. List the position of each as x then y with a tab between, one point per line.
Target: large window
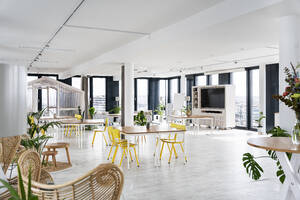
163	91
99	98
174	88
215	79
200	80
239	80
76	82
254	97
142	94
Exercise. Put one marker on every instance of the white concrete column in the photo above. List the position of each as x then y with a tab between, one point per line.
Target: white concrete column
183	84
128	94
13	87
289	51
262	93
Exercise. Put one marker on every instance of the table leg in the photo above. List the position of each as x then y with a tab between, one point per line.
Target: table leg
292	180
68	155
184	147
156	158
128	146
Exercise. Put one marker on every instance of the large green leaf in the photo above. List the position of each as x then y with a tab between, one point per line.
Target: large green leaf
253	169
280	173
272	154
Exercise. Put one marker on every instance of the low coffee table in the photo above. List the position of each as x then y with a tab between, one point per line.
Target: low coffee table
59	145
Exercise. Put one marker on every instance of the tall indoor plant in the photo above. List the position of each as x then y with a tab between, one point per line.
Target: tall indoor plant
291	98
36	131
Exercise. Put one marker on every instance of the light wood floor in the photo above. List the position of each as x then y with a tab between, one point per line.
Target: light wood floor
214	170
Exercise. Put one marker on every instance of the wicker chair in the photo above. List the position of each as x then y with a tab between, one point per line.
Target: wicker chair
31	159
8	148
105	182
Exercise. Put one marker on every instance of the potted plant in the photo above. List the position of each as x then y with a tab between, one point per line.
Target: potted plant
259	122
21	195
187	110
80	115
140	119
115	110
160	111
92	112
36	132
291	98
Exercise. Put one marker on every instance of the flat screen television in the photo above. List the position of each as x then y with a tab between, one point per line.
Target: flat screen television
213	98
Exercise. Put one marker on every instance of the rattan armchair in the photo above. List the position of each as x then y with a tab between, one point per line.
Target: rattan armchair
31	159
105	182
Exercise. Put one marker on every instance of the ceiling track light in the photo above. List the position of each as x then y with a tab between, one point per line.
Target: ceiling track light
55	34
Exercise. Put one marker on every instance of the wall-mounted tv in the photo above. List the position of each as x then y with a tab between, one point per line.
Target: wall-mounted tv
213	98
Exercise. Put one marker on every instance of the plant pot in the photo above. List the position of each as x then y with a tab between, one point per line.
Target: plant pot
259	130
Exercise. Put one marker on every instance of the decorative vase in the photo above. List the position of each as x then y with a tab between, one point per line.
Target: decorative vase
296	130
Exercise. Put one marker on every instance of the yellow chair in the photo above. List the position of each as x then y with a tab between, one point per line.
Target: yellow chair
101	131
117	142
69	129
172	142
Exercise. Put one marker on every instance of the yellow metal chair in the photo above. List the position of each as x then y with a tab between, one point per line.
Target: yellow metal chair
117	142
69	129
101	131
172	142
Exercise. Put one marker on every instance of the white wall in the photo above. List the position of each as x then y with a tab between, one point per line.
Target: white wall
289	51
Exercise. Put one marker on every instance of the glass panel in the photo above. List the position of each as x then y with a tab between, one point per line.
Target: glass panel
200	80
215	79
174	88
99	101
163	91
142	94
239	80
254	97
76	82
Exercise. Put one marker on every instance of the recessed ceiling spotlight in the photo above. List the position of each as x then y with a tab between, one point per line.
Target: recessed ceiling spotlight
235	62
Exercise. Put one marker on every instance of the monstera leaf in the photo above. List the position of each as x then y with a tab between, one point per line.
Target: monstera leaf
253	169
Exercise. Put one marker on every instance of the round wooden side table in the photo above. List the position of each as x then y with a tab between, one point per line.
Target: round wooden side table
282	145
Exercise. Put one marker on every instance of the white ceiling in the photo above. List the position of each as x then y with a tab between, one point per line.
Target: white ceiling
159	37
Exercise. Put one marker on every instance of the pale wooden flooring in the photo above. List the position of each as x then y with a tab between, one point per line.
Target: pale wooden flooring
214	170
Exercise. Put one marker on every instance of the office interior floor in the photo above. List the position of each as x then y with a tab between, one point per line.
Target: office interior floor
214	170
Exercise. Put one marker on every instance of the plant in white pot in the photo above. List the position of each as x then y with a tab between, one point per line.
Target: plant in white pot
259	122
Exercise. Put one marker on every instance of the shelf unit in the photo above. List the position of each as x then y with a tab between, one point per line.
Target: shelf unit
223	118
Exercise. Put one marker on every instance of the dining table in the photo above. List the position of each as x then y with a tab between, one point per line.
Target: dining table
291	167
154	130
197	118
